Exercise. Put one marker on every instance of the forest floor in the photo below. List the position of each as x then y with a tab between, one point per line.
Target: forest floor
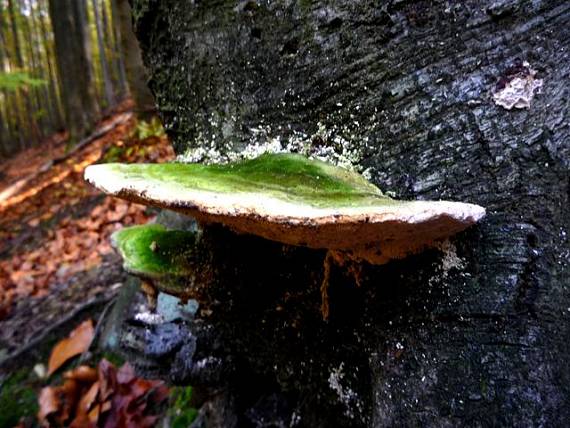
54	225
55	258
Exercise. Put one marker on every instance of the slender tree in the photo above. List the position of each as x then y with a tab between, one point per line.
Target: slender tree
47	40
111	53
136	73
22	101
119	64
5	134
47	103
73	55
36	94
107	85
15	37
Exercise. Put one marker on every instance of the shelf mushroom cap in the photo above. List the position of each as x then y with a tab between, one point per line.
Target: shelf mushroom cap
294	200
152	252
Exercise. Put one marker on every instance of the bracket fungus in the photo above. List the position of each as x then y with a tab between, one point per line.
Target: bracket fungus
294	200
160	257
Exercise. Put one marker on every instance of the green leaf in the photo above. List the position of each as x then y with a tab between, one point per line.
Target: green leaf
14	80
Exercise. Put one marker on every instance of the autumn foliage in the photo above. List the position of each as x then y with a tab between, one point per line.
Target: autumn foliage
55	224
101	396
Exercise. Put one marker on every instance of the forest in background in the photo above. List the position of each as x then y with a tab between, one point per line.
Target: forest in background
72	93
64	65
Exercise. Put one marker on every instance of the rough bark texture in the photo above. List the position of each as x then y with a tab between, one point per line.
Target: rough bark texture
73	54
478	336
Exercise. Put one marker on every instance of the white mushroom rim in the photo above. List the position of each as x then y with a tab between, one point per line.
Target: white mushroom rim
376	230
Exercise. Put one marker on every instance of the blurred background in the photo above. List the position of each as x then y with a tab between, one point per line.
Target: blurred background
64	64
73	91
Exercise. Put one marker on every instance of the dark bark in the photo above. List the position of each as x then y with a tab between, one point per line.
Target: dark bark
73	55
131	54
403	90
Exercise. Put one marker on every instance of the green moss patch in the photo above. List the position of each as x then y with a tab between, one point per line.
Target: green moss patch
153	251
288	177
17	399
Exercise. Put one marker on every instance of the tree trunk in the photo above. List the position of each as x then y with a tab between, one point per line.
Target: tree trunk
107	85
36	95
5	120
42	66
134	67
117	55
476	334
47	39
73	54
15	37
22	100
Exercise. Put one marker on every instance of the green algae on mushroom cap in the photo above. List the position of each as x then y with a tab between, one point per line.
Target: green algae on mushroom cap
291	199
153	252
286	177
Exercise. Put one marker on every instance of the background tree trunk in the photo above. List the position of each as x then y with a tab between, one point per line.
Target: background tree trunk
133	65
117	54
72	48
45	102
5	120
26	127
476	334
107	85
52	75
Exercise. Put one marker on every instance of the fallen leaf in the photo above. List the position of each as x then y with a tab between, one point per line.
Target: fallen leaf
70	391
77	343
82	374
86	402
107	378
49	403
93	415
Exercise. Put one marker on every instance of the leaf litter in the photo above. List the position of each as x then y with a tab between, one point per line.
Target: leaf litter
57	225
102	396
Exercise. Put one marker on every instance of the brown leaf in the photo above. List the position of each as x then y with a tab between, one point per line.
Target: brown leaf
82	374
49	403
93	415
107	378
86	402
160	393
77	343
106	406
82	421
69	397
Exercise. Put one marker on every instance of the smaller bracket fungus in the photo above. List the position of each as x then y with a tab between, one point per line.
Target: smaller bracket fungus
294	200
160	257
